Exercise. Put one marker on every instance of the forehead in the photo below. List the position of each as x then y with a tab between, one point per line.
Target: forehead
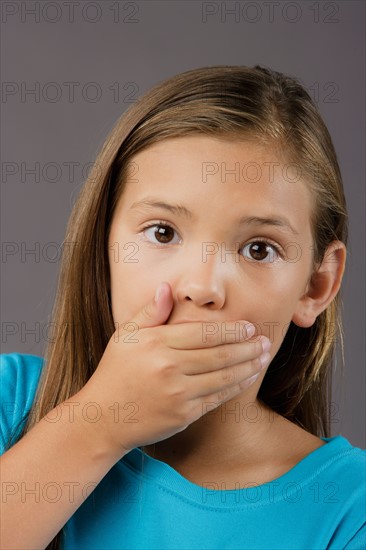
217	176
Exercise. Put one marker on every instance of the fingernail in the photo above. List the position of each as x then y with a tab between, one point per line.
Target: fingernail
252	379
250	330
266	344
158	292
265	359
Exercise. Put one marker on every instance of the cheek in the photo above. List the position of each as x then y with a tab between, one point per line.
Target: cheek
272	301
132	285
270	317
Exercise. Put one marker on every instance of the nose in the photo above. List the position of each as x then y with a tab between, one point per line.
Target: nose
202	282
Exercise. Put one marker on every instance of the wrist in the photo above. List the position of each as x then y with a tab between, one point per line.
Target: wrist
89	422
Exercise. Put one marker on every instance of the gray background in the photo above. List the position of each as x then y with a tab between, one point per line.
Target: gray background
87	63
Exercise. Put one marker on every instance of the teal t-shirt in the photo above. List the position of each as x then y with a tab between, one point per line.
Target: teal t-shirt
143	503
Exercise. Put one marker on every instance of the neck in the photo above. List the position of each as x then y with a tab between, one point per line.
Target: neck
235	430
243	440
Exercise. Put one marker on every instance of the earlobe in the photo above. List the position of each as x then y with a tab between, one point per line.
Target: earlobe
323	286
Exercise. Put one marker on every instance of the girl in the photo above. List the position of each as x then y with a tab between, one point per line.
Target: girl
199	418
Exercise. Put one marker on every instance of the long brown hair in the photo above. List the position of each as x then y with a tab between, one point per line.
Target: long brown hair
218	100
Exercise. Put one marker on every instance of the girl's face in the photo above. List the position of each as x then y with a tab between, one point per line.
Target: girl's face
231	234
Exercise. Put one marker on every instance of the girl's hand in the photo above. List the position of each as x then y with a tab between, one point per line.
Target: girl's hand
154	379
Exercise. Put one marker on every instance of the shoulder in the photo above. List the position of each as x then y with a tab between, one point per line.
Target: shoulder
330	474
346	459
340	465
340	478
344	465
19	377
325	452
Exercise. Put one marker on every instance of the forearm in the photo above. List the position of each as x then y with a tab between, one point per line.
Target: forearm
48	474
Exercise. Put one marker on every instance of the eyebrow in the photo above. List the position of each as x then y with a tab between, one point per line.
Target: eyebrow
181	210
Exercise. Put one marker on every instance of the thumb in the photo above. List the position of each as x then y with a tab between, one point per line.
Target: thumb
157	310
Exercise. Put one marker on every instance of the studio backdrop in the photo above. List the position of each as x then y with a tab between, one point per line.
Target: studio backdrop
70	69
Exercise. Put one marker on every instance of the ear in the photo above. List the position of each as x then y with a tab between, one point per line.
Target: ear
323	286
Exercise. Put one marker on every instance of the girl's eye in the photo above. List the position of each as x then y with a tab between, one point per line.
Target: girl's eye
259	251
161	231
262	251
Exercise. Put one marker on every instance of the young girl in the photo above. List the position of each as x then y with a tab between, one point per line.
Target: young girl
199	418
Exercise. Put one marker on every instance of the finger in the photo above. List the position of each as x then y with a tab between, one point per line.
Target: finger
154	313
202	406
200	334
226	356
220	381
